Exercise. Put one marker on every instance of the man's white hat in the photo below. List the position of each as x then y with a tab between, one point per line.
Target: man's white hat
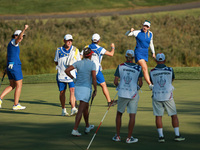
95	37
130	53
68	37
147	23
160	57
17	32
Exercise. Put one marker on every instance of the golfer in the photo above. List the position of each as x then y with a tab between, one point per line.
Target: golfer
130	75
86	75
162	96
144	40
65	56
14	70
97	58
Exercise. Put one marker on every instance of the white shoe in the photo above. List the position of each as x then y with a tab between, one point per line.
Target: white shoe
131	140
75	133
18	107
88	129
150	86
116	138
74	111
1	102
64	112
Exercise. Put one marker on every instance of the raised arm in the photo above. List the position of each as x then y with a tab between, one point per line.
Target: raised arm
111	53
21	34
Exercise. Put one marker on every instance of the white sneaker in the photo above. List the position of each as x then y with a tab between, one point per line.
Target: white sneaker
1	102
116	138
131	140
88	129
64	112
18	107
150	86
74	111
75	133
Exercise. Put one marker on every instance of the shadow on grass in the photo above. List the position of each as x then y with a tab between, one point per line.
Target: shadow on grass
32	136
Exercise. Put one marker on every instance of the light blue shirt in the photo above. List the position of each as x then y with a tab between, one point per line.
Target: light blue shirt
84	75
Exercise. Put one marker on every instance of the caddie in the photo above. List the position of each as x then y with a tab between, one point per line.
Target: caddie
162	96
130	75
64	57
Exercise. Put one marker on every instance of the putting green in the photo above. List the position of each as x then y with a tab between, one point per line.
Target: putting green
41	127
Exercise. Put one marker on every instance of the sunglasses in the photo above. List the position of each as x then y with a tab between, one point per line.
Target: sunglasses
147	21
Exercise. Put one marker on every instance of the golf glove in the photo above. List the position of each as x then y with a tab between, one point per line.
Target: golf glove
150	86
10	66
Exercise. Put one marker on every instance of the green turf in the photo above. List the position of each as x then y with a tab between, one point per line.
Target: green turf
41	127
181	73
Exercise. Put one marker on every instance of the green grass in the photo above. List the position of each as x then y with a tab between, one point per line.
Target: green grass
41	127
52	6
181	73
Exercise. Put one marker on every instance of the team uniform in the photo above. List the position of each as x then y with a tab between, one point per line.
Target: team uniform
162	93
127	88
13	52
65	58
97	58
143	41
83	84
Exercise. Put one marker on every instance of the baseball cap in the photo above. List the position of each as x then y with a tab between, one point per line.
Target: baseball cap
95	37
160	57
147	23
130	53
17	32
68	37
87	52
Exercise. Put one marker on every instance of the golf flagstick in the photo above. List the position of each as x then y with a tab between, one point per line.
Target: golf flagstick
100	123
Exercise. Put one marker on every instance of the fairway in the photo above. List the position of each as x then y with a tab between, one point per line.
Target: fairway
40	126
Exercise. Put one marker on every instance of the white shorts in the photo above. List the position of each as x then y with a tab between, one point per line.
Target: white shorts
131	104
160	106
83	93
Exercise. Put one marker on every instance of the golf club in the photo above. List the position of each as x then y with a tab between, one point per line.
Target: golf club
3	77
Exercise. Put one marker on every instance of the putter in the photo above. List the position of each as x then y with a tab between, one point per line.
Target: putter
100	123
3	77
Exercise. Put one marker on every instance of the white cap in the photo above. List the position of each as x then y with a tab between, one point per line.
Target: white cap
95	37
68	37
17	32
130	53
160	57
147	23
